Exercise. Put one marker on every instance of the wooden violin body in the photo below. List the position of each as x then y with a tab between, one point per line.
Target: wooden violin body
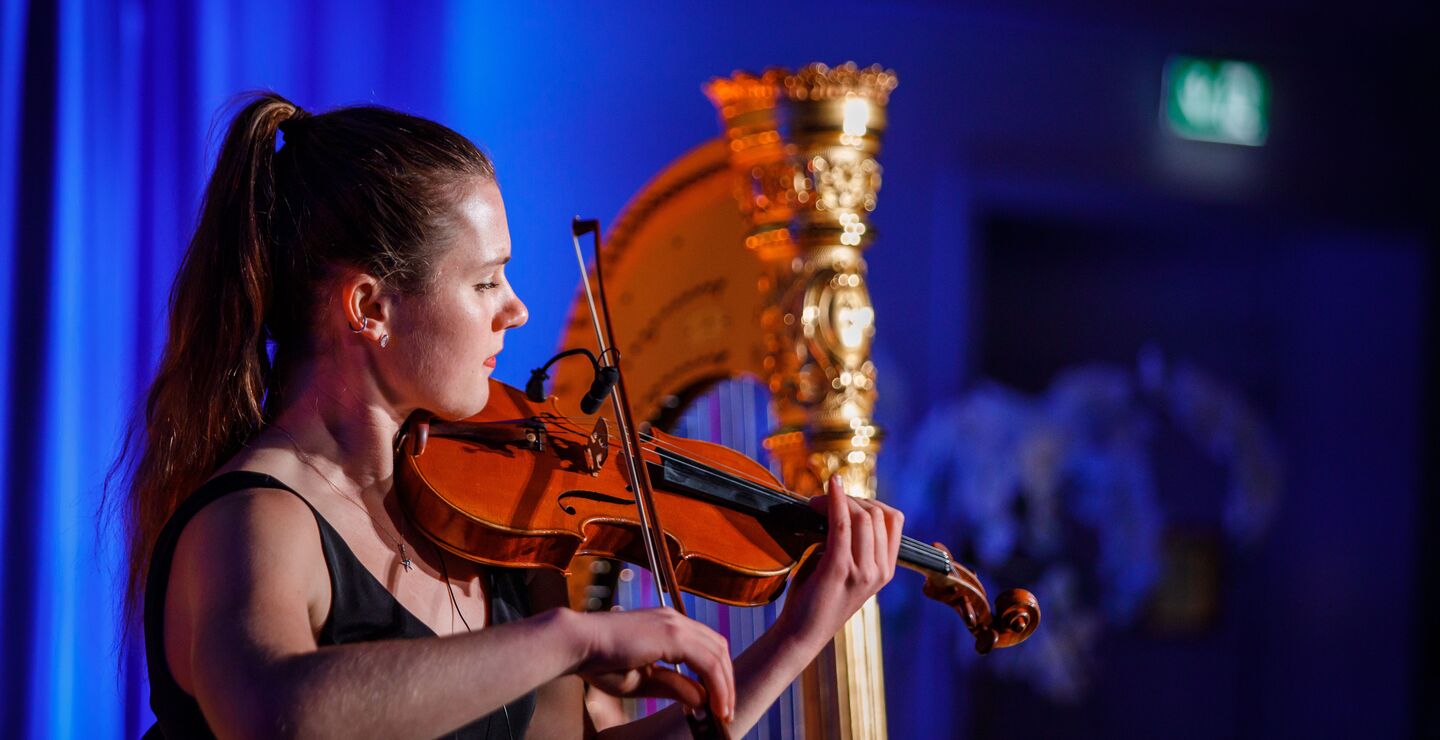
521	485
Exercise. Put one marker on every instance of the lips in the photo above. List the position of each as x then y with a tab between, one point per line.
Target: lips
490	362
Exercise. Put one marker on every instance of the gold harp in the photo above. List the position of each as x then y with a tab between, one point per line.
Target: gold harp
739	267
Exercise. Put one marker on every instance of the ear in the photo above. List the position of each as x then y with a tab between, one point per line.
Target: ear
365	305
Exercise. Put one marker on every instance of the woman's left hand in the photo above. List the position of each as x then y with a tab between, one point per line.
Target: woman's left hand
859	555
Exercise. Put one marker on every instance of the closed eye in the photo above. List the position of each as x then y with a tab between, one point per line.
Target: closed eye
486	286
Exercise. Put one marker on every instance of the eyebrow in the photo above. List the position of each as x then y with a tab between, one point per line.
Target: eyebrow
496	263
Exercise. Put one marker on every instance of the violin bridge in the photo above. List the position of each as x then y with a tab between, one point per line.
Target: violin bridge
598	449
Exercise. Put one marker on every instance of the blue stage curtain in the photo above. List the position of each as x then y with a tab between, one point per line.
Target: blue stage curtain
107	130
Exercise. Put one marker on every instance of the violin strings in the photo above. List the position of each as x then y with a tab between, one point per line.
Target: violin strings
701	463
910	546
917	550
658	445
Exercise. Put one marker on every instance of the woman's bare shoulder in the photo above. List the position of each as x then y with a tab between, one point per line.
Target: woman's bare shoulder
248	580
255	548
272	506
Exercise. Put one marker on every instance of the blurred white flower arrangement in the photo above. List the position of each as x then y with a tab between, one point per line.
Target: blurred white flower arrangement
1057	493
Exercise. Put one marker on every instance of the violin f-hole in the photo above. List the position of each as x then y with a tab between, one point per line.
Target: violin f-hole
598	449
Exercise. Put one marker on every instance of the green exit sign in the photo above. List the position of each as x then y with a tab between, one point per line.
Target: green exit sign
1217	100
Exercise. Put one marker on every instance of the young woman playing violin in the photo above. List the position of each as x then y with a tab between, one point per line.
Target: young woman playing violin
333	287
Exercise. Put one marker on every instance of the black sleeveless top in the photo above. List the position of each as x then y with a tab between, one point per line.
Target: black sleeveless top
361	610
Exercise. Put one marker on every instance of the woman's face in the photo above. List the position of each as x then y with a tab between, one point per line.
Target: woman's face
445	339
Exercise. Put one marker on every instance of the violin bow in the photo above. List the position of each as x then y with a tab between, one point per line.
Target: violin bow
703	723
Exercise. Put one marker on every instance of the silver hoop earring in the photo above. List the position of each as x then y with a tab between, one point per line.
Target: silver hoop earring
364	322
384	341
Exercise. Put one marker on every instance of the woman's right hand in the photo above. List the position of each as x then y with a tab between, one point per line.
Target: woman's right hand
621	650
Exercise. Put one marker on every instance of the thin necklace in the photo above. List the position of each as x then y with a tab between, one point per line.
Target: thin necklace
445	571
405	561
305	458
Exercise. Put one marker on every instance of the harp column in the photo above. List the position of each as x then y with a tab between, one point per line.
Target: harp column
803	146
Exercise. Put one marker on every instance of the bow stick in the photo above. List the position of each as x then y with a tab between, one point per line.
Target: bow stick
703	723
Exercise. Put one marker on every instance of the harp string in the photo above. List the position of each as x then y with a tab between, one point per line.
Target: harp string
732	413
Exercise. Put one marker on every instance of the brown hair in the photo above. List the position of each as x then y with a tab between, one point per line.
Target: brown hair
362	186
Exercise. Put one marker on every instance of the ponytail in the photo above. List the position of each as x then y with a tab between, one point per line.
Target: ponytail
365	186
208	396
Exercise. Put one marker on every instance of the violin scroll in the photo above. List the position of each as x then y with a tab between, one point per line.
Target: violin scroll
1019	611
1019	616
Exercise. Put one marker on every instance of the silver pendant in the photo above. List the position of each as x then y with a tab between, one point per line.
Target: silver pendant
404	560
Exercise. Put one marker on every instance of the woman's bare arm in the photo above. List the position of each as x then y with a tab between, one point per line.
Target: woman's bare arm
248	574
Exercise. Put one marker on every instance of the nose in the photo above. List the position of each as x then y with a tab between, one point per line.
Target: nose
516	314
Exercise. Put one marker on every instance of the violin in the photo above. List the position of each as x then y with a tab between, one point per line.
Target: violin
521	485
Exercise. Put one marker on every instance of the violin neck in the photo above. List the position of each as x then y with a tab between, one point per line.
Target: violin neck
926	559
677	472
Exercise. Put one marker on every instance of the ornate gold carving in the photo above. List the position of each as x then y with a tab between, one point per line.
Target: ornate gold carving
808	183
819	82
747	104
743	92
847	184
